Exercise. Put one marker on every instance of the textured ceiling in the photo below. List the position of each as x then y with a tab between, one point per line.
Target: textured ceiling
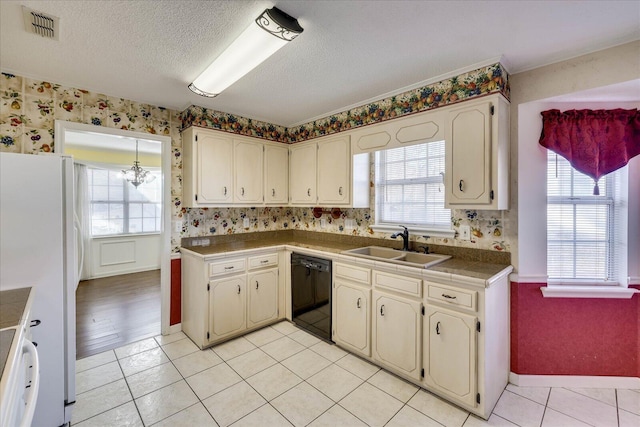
350	51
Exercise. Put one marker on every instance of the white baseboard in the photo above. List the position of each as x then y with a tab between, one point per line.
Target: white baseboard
175	328
574	381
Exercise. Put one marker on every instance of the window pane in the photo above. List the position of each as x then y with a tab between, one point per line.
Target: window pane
580	238
100	193
149	224
99	211
116	193
135	225
100	176
409	188
116	211
149	210
135	210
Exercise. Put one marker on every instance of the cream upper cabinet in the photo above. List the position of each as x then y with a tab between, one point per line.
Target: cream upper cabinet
396	333
334	171
207	167
276	174
477	155
248	172
263	297
302	174
450	353
227	307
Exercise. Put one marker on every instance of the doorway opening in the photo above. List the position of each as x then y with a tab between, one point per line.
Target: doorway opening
124	290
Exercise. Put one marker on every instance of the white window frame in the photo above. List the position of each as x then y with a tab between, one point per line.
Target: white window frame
416	228
610	242
530	254
125	202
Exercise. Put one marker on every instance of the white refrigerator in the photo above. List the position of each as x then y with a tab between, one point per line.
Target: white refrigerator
38	249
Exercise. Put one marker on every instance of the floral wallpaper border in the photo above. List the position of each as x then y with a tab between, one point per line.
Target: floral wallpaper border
483	81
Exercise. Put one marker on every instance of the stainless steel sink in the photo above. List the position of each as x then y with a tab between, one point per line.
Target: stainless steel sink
412	259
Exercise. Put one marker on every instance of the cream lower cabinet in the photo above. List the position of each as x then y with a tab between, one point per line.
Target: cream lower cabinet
227	307
396	333
450	353
352	308
225	298
263	297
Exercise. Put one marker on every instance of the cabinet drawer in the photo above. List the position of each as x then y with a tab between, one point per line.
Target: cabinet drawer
454	296
229	266
259	261
355	274
406	285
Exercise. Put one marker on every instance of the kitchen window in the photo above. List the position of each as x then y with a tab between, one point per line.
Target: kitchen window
582	228
117	207
409	189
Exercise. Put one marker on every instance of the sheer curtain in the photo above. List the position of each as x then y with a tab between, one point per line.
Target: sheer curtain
83	213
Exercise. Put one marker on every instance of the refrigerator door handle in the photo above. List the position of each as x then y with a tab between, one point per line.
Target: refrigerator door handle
78	227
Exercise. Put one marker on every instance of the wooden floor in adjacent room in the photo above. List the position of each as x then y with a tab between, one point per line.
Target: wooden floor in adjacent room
114	311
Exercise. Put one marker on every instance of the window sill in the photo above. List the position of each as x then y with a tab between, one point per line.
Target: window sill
125	235
415	229
569	291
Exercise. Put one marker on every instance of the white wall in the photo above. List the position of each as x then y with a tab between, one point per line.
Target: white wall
112	256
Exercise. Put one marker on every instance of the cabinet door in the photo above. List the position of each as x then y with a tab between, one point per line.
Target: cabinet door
248	172
334	171
352	316
302	178
215	169
263	297
227	307
396	335
468	154
450	353
276	175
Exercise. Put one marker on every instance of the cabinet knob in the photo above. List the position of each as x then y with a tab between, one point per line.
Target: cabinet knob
448	296
273	192
309	192
257	284
242	191
35	322
438	328
460	184
340	191
358	303
382	310
224	190
238	289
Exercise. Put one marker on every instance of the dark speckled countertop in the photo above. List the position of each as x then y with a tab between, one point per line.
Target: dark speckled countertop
476	263
12	307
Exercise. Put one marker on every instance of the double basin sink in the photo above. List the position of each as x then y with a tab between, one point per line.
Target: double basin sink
395	256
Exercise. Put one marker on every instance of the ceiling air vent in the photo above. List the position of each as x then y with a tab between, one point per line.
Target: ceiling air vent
40	23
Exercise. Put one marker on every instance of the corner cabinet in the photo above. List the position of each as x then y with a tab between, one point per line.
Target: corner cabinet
225	298
477	154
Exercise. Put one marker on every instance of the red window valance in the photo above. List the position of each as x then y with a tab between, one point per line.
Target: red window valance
595	142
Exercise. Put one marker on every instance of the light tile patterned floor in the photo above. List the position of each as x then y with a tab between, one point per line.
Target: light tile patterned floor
282	376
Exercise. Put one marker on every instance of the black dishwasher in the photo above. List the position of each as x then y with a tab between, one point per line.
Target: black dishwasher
311	294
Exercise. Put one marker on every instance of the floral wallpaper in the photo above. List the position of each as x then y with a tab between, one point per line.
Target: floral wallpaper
483	81
28	109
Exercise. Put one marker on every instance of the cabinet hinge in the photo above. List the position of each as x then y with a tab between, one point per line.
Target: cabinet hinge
208	338
422	373
478	398
208	287
478	326
493	109
491	194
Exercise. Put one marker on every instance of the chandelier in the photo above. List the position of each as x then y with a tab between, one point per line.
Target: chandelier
136	175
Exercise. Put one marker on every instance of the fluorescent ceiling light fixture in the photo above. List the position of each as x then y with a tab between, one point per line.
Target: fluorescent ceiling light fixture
270	31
